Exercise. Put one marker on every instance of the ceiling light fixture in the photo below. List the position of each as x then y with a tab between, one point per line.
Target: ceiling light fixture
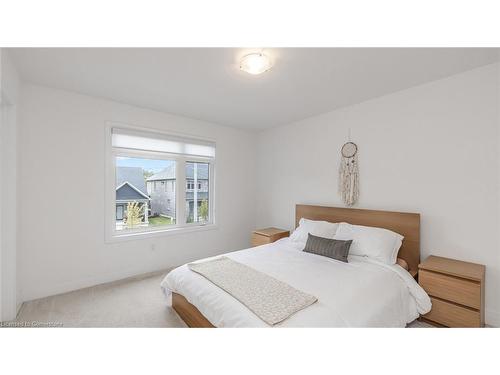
255	63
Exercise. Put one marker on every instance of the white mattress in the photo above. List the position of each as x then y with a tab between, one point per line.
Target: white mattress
361	293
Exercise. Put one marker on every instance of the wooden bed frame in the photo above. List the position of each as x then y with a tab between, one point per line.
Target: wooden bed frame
189	313
406	224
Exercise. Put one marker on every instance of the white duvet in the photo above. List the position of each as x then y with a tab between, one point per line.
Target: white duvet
361	293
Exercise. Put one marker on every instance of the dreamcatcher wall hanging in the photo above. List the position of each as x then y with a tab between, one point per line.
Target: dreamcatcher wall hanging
349	174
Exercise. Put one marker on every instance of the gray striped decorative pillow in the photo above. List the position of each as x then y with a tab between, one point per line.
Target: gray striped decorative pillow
335	249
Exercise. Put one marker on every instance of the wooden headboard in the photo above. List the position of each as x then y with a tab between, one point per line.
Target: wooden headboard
406	224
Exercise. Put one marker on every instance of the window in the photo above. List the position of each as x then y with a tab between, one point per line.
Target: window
158	182
119	212
138	208
197	207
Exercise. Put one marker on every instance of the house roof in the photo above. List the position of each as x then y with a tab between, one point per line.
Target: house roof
166	174
169	172
134	176
127	192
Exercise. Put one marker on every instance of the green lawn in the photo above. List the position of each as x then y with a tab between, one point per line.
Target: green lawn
159	220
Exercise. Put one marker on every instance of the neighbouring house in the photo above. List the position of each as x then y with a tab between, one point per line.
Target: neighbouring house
161	189
130	187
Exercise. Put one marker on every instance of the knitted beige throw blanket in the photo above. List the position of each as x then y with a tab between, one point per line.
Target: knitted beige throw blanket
270	299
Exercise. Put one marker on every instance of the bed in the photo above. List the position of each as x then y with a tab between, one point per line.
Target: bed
360	293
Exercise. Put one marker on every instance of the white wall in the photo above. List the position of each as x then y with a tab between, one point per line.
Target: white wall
9	93
61	194
432	149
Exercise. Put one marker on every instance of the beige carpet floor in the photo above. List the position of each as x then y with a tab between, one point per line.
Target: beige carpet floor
134	302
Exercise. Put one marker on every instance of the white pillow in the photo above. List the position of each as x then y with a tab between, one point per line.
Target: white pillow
376	243
317	228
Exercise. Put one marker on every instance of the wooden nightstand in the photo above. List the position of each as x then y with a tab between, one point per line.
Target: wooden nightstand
268	235
456	289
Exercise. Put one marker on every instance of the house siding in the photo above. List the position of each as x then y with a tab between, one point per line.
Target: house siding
162	193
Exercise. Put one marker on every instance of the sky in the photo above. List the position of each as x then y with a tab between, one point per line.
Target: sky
153	165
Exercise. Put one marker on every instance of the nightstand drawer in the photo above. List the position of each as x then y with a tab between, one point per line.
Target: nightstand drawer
462	291
258	239
451	315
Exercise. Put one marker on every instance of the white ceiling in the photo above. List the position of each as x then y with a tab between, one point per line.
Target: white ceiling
206	84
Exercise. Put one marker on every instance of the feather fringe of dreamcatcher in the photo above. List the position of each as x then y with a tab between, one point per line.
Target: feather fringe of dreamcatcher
349	180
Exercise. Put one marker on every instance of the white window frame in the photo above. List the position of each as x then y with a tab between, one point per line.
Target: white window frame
112	235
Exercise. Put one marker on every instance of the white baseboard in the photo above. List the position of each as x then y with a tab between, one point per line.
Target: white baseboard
492	318
86	283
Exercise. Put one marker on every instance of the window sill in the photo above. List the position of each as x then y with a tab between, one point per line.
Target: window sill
159	233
